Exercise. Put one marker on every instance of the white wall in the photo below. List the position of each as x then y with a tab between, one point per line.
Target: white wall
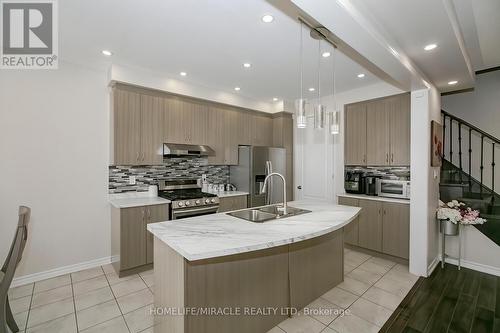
481	108
54	133
424	234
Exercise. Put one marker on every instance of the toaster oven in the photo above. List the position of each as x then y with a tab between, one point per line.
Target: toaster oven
393	188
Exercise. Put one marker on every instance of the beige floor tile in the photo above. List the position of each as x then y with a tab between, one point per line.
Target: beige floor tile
354	286
274	330
396	287
139	319
371	312
50	312
97	314
382	262
52	283
372	267
94	297
147	273
66	324
21	291
348	268
328	330
135	300
20	319
20	304
114	279
402	276
340	297
356	258
128	287
90	284
87	274
108	269
116	325
301	324
353	324
364	276
382	297
322	310
152	288
148	279
51	296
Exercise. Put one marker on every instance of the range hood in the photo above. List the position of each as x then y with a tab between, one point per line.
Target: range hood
178	149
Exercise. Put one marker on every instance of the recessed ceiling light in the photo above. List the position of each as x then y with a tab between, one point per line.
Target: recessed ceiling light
183	73
311	89
452	82
107	53
237	88
247	65
430	47
361	75
326	54
275	99
267	18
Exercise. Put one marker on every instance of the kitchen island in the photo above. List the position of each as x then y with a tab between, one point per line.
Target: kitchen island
218	273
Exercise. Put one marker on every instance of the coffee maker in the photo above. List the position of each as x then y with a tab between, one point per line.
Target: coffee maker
354	182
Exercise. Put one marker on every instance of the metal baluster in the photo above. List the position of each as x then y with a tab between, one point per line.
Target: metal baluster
451	140
493	172
460	149
444	134
482	165
470	159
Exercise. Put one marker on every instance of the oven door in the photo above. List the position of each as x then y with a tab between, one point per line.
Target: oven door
391	189
192	212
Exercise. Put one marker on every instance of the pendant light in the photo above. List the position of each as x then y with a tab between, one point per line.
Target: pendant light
300	106
319	109
334	114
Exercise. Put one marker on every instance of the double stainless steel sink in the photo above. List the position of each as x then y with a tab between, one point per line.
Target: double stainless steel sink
267	213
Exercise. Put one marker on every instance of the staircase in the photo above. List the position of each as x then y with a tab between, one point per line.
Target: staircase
471	177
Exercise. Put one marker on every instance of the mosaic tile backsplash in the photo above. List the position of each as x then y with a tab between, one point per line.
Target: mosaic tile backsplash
173	167
400	173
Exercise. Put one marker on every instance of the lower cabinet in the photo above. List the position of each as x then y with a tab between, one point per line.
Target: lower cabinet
130	240
381	226
227	204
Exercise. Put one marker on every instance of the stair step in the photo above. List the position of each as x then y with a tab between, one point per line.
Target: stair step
477	196
449	183
489	217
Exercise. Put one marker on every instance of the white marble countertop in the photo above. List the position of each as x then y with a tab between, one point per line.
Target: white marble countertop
226	194
375	198
135	199
217	235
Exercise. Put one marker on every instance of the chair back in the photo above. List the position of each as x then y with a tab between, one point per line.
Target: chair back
16	249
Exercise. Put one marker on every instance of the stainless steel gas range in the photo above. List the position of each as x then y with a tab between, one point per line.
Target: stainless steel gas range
187	198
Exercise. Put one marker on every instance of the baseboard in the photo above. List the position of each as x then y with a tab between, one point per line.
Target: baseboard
30	278
433	265
474	266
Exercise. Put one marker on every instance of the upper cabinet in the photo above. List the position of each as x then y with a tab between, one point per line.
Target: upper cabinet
355	134
145	119
377	132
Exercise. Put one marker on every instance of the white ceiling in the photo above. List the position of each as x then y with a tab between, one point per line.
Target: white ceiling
414	24
208	39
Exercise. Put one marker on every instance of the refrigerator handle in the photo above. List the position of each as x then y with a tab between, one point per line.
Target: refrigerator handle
269	170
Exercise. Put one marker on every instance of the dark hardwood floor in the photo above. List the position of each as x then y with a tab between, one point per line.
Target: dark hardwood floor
449	301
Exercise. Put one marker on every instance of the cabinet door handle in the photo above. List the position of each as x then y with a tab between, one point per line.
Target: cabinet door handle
143	156
142	211
392	157
137	157
149	214
387	157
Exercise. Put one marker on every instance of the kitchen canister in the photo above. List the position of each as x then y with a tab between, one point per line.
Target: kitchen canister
153	190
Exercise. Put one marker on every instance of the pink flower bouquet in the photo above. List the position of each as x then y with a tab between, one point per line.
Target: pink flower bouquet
457	212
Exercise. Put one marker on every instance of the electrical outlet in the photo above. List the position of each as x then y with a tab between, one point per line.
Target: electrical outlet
131	180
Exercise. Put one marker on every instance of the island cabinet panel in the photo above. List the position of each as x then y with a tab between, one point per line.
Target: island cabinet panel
351	231
232	203
355	134
315	267
396	227
370	225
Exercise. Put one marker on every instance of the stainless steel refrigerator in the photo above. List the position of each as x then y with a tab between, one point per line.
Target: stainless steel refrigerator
255	163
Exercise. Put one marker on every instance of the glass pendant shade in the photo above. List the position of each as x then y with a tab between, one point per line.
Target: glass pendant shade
319	116
334	122
300	113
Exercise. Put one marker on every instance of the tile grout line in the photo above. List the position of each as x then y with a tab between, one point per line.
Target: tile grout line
74	303
29	309
113	293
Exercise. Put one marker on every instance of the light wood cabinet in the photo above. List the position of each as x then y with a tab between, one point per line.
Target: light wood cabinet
228	204
355	134
370	225
377	132
127	127
351	231
151	130
262	126
396	229
216	135
130	240
283	137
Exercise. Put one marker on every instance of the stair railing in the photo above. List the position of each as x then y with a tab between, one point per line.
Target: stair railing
483	135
